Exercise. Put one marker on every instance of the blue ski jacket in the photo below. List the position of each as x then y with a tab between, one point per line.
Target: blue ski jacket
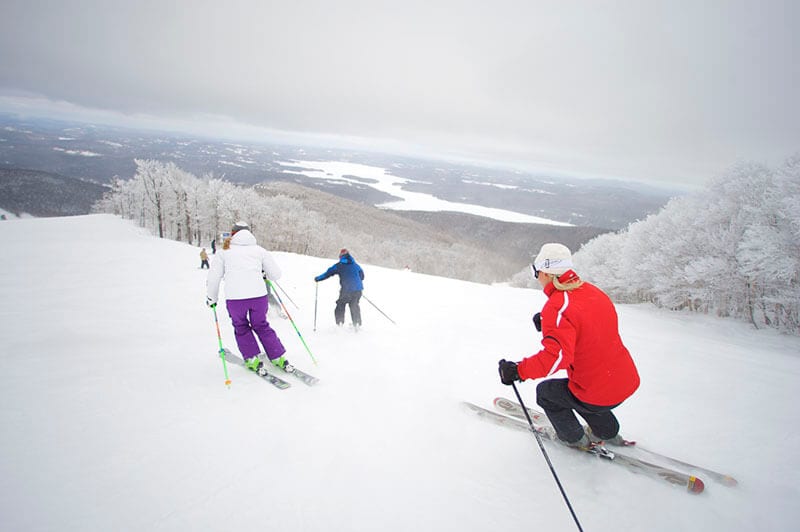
349	272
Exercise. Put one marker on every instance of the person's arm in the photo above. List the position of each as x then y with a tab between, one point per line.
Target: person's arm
558	342
333	270
215	273
270	267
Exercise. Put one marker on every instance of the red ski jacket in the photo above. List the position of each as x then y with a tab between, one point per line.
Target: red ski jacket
580	335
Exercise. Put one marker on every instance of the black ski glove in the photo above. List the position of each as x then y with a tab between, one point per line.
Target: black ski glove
508	372
537	321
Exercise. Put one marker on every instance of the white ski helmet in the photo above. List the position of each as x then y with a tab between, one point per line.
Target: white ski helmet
554	259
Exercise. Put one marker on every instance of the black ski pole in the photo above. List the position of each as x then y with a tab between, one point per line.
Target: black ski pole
546	457
376	308
316	293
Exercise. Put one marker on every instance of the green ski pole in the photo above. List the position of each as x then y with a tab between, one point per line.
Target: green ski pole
221	349
270	283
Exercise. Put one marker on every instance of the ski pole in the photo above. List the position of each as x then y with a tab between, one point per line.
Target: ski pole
316	293
221	349
546	457
269	283
376	308
287	296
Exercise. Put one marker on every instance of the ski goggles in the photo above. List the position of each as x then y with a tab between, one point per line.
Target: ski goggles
534	271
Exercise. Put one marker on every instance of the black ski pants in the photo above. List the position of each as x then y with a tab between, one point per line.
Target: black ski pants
348	298
560	405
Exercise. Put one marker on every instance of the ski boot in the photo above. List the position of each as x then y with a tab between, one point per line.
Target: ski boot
253	364
282	363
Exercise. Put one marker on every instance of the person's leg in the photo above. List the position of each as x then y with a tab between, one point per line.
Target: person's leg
266	334
557	401
245	339
338	312
355	309
601	420
563	405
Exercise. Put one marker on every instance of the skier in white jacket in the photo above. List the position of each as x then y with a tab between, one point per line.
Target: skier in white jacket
244	265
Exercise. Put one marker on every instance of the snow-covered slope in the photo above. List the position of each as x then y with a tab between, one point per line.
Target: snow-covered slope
115	415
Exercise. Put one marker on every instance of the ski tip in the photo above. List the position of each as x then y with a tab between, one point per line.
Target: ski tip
503	403
696	485
729	481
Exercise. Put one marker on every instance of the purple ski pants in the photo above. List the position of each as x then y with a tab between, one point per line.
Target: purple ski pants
249	317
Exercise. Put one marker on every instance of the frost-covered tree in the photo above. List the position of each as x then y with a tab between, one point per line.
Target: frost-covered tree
732	249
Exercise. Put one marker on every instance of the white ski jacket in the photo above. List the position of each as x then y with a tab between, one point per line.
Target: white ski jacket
241	267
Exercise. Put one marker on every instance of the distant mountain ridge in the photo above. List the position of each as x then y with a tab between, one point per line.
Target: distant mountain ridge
516	242
100	153
504	248
45	194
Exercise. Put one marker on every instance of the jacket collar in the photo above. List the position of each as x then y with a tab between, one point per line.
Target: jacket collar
566	277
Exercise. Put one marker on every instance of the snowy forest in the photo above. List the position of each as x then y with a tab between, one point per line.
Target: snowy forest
732	249
176	204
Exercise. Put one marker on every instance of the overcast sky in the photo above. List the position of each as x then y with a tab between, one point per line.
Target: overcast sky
671	91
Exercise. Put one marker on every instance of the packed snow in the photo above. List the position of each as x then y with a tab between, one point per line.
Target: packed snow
115	414
381	180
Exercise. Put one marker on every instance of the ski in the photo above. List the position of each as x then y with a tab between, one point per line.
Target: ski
302	375
690	482
262	372
513	408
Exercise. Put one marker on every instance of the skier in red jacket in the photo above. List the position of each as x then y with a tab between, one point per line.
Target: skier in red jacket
580	335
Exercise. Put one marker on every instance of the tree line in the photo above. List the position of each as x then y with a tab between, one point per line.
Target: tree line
732	249
178	205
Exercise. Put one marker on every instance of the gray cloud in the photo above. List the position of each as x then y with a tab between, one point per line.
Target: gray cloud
672	91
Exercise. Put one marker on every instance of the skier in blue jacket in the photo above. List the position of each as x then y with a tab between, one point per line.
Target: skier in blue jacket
350	280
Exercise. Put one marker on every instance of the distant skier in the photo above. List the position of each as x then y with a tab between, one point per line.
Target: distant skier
242	264
203	259
214	247
351	286
580	335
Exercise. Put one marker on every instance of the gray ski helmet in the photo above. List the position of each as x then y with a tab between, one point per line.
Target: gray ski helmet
238	226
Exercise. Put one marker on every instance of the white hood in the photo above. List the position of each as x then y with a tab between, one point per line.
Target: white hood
241	267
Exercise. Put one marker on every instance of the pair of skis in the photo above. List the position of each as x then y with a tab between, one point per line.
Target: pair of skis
515	419
270	376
